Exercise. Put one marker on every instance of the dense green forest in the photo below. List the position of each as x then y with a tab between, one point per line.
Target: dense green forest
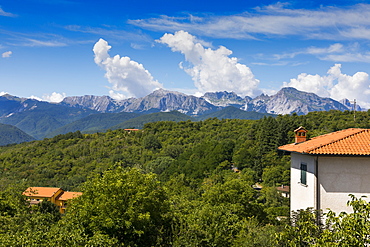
169	184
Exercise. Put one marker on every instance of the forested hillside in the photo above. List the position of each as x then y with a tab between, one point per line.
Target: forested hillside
169	184
10	135
94	123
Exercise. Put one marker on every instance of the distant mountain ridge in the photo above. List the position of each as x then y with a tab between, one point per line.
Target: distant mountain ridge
97	103
286	101
42	119
289	100
37	118
351	105
158	101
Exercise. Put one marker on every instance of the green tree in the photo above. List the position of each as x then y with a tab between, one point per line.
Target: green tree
304	230
225	210
150	141
345	229
22	224
348	229
124	204
276	175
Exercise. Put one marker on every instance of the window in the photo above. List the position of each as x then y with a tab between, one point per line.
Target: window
303	173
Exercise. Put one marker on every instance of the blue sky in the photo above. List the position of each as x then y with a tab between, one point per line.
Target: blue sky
55	48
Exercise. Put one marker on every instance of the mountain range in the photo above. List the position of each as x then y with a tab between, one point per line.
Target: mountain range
286	101
289	100
98	113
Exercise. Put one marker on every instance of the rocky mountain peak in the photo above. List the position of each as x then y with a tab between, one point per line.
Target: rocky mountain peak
224	99
163	92
289	100
97	103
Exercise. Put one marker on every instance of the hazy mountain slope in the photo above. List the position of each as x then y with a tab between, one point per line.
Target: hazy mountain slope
10	104
231	112
10	134
38	118
139	122
95	122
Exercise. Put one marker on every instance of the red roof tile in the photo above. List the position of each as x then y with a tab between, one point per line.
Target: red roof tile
344	142
41	191
69	195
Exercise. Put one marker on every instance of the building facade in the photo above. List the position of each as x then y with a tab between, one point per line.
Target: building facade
326	169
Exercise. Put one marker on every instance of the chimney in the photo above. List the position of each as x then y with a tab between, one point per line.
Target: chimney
300	135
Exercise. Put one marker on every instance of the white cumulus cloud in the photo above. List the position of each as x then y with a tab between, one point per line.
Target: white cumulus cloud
211	70
124	74
54	97
116	96
35	98
335	85
7	54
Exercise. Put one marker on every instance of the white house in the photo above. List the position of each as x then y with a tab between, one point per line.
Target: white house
327	168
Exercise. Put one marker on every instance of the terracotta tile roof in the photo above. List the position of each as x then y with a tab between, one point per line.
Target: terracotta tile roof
344	142
69	195
41	191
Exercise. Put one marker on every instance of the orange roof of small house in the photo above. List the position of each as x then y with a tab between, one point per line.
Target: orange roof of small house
69	195
41	191
283	188
351	141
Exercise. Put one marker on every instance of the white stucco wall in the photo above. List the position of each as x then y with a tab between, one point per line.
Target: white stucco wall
302	196
337	178
341	176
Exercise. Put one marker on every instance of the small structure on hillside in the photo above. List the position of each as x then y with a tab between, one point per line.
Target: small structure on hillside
56	196
284	190
131	130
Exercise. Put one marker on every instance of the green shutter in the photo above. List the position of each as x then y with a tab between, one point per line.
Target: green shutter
303	173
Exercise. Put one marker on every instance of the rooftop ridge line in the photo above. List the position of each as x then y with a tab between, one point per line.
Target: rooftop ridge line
338	140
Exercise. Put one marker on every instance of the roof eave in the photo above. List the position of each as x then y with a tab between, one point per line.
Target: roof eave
316	154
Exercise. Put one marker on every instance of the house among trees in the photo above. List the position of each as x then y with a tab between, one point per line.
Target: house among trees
56	196
327	168
284	190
